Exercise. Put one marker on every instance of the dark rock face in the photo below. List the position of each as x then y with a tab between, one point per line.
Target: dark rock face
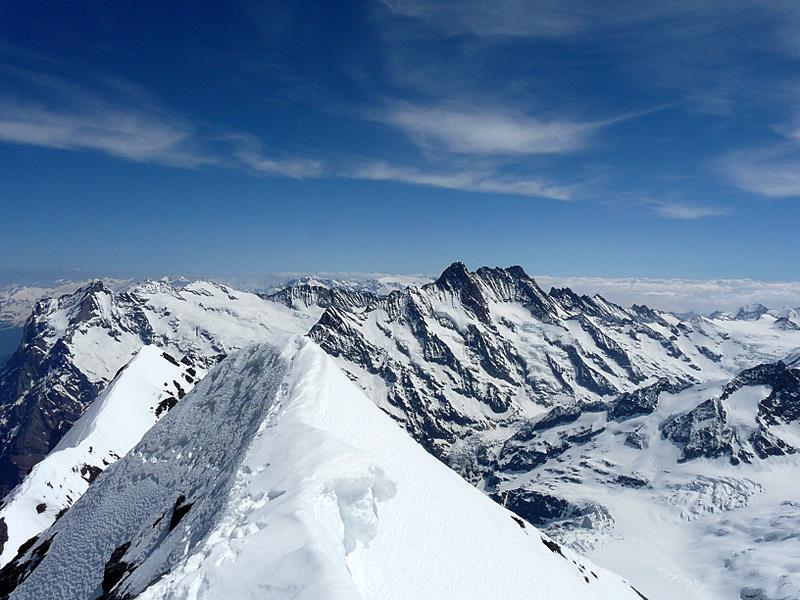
40	398
783	402
708	353
306	295
751	312
643	400
179	511
631	481
703	432
539	509
42	392
611	348
635	439
115	568
785	324
535	442
585	376
30	554
458	280
559	415
90	472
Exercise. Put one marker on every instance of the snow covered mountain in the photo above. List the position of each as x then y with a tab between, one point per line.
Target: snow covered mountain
73	345
619	431
17	301
687	491
278	460
472	351
142	392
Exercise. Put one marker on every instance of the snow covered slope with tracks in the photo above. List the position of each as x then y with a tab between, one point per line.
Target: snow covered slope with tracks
277	478
142	392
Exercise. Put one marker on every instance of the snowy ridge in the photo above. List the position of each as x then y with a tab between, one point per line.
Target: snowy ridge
611	428
277	459
73	345
143	391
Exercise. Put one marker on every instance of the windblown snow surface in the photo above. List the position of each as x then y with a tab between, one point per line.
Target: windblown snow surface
130	405
278	478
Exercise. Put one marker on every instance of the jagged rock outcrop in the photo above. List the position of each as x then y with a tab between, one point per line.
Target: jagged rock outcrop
643	400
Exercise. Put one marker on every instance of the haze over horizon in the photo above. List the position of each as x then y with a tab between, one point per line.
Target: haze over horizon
680	295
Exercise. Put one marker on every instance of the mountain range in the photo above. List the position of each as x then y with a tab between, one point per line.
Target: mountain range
656	445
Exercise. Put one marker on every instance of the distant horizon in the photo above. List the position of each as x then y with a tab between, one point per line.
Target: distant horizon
679	295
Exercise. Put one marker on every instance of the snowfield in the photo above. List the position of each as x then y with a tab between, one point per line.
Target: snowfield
130	405
278	478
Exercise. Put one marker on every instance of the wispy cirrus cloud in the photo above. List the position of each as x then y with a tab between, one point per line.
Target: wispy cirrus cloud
485	130
473	130
248	150
687	212
772	171
468	181
121	132
295	168
126	124
120	120
108	116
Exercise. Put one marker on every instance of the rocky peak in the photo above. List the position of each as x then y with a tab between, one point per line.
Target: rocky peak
457	280
786	324
304	295
455	276
513	284
751	312
594	306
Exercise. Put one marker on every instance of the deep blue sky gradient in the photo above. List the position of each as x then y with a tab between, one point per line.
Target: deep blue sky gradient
305	141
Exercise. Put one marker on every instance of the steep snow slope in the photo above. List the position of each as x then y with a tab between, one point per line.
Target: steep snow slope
143	391
73	346
277	478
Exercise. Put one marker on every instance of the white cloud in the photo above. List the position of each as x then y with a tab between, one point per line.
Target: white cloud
683	295
489	131
773	172
468	181
118	119
500	18
124	133
677	210
296	168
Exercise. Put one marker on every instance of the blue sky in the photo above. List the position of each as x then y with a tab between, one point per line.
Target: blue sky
623	138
